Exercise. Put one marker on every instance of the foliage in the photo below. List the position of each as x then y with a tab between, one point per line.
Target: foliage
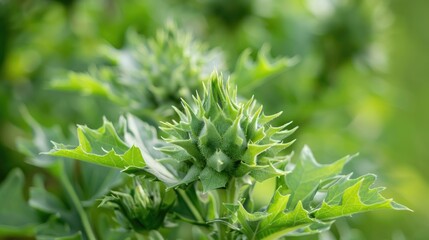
309	198
15	215
147	76
62	214
151	74
221	143
117	59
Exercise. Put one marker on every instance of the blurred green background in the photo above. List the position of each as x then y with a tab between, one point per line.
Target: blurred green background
360	84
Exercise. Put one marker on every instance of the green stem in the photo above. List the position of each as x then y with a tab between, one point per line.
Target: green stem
231	190
221	229
191	206
227	195
76	202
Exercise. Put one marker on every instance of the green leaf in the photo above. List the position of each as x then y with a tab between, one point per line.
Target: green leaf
304	180
285	223
133	149
88	84
219	161
278	222
81	182
95	181
249	222
248	74
65	216
314	228
273	223
296	211
55	229
144	137
45	201
40	142
357	198
17	218
107	229
269	171
211	179
155	235
101	146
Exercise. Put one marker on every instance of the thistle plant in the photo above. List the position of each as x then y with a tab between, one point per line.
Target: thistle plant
189	155
225	138
211	158
152	73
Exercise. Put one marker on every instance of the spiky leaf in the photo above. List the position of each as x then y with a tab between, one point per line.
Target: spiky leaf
102	146
275	222
296	209
345	200
83	183
305	179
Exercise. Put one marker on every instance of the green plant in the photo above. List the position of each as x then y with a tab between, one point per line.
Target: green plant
198	173
211	159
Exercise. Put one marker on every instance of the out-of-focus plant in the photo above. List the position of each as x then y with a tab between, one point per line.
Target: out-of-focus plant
62	213
148	76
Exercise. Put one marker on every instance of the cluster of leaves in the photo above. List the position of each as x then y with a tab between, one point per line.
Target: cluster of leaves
309	198
57	214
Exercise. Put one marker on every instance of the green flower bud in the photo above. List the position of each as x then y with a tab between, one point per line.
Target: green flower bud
226	138
141	208
158	72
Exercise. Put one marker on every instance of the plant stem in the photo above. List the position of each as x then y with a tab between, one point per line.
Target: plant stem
227	195
231	190
191	206
76	202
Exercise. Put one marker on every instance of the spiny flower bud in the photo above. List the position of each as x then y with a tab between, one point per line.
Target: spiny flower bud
158	72
136	207
226	138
